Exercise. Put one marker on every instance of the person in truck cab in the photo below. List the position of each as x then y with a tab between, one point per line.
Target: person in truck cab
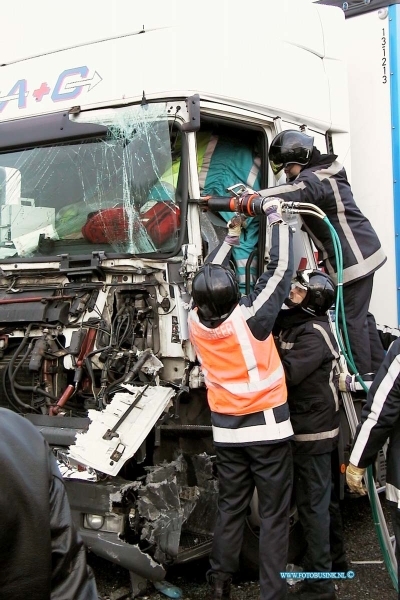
249	412
309	356
321	180
223	160
41	555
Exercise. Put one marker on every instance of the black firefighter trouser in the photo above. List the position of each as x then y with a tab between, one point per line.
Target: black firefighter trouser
240	469
338	551
312	493
364	339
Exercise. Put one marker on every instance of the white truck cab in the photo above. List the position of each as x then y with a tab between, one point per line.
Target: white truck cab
105	133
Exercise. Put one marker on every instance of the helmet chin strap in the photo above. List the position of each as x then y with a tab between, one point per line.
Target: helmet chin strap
290	304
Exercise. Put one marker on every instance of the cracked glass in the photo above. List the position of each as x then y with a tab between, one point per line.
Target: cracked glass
115	194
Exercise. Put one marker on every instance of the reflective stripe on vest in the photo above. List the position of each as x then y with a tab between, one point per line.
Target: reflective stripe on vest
243	375
313	437
271	430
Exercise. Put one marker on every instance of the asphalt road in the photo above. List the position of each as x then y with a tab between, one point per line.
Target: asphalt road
371	580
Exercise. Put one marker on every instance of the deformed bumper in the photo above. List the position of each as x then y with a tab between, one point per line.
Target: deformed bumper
98	498
110	547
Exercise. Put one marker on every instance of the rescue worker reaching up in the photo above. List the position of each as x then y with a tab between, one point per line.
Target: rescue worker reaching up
309	355
247	397
321	180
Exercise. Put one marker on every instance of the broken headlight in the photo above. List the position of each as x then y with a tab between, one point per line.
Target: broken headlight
111	523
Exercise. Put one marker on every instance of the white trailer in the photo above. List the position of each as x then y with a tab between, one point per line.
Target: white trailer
372	55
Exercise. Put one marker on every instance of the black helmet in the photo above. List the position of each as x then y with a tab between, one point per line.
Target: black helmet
290	147
320	291
215	292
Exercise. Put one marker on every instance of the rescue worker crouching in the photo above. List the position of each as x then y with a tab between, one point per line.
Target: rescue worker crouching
309	355
249	411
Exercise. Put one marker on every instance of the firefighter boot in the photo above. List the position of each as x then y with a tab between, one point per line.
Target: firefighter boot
220	589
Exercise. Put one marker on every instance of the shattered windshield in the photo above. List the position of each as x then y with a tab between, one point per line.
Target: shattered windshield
116	193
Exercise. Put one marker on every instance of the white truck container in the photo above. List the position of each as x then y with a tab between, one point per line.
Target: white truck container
372	56
101	128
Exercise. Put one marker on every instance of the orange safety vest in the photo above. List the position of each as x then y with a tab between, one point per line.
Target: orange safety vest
243	375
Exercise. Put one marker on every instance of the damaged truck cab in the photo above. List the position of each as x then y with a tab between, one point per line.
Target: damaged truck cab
96	267
105	153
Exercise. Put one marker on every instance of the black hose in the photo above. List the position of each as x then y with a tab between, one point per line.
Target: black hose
126	378
12	374
23	343
88	364
248	267
138	365
10	400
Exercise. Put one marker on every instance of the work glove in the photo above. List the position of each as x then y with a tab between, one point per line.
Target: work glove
349	383
354	477
234	230
272	209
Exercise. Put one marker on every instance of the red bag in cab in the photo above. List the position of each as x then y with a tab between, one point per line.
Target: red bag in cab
111	225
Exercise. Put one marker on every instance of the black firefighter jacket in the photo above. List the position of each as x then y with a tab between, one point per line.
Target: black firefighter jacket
324	183
41	556
308	352
380	420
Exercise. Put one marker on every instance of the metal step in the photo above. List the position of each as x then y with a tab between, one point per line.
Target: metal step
193	545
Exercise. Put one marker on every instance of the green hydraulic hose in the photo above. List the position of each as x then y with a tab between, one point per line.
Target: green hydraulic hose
340	304
349	359
311	209
306	208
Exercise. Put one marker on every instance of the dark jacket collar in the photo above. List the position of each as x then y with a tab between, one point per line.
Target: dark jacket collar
293	317
320	160
317	160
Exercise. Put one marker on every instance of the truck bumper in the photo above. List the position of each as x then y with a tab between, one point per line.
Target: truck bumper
110	547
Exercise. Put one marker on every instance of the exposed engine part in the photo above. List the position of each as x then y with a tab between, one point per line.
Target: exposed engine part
190	263
54	410
173	370
43	346
104	352
3	344
132	330
136	312
43	382
27	307
196	378
84	301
